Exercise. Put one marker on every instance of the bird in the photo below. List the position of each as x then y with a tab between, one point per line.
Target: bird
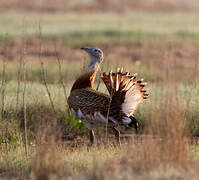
111	110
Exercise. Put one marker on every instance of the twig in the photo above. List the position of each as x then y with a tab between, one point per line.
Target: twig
195	69
18	81
108	112
24	102
3	84
99	82
23	64
61	75
43	72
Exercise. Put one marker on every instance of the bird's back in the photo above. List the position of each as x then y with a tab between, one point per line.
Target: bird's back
89	105
88	101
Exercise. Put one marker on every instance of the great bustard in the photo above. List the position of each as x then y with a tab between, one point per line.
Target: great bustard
98	109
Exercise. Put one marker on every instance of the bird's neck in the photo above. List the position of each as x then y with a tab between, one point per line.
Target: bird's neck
93	64
86	80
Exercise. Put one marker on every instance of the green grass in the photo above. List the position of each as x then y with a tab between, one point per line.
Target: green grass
72	68
157	23
102	28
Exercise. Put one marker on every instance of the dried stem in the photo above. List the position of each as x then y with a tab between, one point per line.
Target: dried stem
3	87
61	75
195	69
18	80
43	72
24	102
99	82
3	90
3	84
108	111
23	66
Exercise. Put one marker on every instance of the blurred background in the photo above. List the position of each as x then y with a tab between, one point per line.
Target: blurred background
99	5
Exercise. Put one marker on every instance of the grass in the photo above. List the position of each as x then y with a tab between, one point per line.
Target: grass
161	47
171	103
102	28
55	160
37	96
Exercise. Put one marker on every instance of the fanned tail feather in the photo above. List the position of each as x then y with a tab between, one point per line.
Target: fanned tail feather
125	90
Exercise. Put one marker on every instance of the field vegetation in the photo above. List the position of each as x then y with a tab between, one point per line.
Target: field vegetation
40	58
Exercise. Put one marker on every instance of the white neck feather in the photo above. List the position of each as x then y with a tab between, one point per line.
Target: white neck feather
93	64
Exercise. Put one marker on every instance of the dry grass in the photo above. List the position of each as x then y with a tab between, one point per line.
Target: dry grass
164	149
165	154
48	162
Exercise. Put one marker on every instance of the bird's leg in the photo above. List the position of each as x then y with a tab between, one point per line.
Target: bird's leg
92	136
117	135
91	133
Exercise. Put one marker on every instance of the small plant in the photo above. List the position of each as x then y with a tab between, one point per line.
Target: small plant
77	124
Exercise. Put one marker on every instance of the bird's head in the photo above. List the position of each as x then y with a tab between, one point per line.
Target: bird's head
96	57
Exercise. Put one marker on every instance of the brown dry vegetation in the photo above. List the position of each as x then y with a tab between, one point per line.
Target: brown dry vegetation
99	5
175	58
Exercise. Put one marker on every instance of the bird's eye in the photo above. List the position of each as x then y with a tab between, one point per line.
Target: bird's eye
96	50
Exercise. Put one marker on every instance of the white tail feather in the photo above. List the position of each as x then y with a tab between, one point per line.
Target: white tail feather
124	87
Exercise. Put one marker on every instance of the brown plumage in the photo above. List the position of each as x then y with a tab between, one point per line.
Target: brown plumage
85	81
98	109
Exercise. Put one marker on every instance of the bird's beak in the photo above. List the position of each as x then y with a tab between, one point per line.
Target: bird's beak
85	49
